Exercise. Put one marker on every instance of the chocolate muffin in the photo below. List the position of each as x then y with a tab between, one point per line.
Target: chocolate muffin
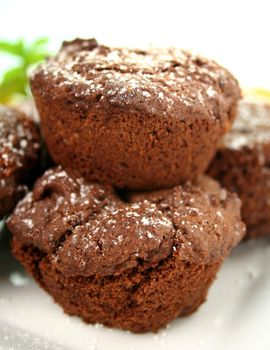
19	155
134	263
133	118
242	165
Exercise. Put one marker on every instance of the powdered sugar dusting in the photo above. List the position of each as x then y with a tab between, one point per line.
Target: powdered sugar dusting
251	127
88	229
17	141
121	74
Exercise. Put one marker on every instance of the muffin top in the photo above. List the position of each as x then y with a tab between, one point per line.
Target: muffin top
156	80
251	127
19	151
87	229
19	140
19	143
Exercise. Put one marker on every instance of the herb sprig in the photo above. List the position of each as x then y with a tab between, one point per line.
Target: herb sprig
14	81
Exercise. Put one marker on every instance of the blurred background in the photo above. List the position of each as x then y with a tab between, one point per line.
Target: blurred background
235	33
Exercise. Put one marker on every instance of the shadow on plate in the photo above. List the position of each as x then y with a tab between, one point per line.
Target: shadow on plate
16	338
8	263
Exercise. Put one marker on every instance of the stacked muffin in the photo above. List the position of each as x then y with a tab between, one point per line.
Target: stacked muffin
242	164
126	230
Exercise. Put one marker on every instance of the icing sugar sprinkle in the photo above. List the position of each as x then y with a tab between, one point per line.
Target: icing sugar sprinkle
28	222
159	73
16	139
251	127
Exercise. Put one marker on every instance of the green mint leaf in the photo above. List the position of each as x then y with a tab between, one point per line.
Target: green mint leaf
15	81
41	42
15	48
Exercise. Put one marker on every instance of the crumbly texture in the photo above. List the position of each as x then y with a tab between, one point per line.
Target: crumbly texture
134	262
19	153
133	118
242	165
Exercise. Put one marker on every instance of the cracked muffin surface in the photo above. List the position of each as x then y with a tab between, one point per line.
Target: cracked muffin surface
19	153
134	261
136	119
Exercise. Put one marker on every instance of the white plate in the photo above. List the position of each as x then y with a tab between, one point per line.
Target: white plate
235	316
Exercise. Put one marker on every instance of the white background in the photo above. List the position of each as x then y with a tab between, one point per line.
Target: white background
236	33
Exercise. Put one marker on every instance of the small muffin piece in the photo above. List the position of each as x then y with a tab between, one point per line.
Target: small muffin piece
242	165
19	155
135	264
132	118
